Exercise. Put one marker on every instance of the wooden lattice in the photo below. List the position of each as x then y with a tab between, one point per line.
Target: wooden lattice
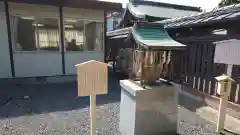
149	65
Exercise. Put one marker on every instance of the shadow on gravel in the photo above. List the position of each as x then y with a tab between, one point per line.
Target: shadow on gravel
189	121
190	103
42	98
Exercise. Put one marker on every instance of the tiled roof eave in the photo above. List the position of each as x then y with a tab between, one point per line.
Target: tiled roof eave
162	47
161	44
121	31
198	19
201	23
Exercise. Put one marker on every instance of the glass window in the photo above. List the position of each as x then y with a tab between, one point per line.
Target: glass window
82	35
100	36
23	33
48	34
42	33
33	34
94	35
74	35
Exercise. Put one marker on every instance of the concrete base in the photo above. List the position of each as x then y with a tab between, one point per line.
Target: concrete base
148	111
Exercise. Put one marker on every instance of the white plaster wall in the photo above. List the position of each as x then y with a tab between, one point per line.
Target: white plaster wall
76	13
5	67
31	64
33	10
73	58
42	63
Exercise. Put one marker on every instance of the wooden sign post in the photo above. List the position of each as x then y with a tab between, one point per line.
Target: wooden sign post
223	89
92	77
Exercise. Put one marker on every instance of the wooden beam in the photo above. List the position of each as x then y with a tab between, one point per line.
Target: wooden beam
221	24
205	35
211	38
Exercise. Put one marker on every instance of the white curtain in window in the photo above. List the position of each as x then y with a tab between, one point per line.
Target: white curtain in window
14	23
48	37
74	34
99	37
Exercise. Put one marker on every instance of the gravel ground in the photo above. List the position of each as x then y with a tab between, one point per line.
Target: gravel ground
52	109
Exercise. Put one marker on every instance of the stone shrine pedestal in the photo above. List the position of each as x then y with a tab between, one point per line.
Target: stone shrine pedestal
148	111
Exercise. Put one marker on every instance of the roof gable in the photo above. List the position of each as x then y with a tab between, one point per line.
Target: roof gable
166	5
153	11
141	9
223	78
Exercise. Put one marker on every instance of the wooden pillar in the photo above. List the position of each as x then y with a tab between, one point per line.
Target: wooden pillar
229	70
142	54
114	52
223	104
93	114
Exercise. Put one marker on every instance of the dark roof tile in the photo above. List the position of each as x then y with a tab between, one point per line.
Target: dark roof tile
220	14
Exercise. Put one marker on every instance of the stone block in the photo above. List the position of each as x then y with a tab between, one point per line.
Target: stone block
148	111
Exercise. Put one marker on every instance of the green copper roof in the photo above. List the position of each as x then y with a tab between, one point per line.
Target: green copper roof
155	38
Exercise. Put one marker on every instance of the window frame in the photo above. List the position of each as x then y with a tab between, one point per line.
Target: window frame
84	21
36	18
103	37
65	18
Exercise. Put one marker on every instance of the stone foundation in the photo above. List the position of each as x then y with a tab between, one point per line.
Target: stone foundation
148	111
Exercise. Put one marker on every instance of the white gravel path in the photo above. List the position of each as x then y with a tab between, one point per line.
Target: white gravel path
76	122
55	110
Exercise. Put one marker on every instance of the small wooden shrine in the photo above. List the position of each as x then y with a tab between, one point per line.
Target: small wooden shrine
148	55
152	53
142	49
151	56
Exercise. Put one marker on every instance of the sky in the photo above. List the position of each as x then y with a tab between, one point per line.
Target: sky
204	4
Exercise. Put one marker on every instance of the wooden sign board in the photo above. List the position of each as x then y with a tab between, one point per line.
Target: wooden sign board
92	77
227	52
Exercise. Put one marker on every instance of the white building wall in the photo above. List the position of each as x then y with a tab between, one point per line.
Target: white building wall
73	58
5	66
31	64
42	63
96	15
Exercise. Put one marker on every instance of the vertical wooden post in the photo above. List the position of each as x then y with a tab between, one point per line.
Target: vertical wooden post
93	114
223	103
222	113
229	70
114	54
142	62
